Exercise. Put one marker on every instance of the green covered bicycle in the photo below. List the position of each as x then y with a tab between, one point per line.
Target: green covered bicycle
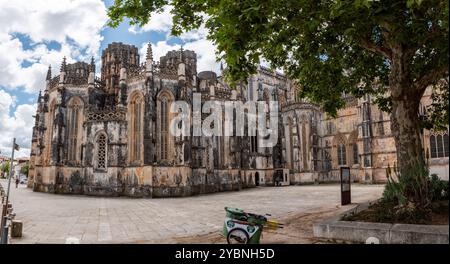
245	228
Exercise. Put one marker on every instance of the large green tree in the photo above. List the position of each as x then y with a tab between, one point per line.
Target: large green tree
25	168
4	167
390	49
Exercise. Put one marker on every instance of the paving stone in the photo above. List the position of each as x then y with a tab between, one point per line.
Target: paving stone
48	217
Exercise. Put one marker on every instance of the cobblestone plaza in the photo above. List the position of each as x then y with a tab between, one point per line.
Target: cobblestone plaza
51	218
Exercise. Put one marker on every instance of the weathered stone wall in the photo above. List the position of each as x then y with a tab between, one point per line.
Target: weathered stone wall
145	181
304	178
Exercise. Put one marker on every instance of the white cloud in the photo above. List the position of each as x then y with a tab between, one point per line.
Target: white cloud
161	22
75	25
195	34
18	125
46	20
206	57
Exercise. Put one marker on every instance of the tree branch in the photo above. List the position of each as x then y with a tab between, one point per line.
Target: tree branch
429	78
380	50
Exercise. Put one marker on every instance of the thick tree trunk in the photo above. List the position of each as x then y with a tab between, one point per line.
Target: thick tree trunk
406	131
405	124
405	127
410	157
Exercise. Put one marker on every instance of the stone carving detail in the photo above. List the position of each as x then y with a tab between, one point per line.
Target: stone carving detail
136	73
54	82
105	116
101	152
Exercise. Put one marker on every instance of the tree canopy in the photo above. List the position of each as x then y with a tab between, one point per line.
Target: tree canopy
4	167
25	168
329	47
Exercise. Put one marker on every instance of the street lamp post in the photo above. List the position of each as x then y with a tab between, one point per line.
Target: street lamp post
4	238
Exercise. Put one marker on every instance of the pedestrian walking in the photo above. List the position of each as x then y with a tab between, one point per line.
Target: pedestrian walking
17	182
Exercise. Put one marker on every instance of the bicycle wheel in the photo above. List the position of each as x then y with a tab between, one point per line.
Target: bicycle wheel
237	236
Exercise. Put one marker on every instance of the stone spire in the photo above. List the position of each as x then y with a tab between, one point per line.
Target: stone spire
49	73
92	65
149	60
122	91
63	65
39	100
181	53
91	78
149	52
62	72
181	67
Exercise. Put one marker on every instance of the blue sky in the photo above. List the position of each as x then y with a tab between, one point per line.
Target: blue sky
36	34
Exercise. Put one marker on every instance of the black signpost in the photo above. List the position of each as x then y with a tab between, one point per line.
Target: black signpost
346	197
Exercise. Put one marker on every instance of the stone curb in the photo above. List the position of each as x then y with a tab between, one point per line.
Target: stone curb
385	233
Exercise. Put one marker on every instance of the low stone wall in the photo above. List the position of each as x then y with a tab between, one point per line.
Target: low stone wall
386	233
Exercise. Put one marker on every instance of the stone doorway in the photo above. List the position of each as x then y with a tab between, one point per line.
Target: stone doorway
257	179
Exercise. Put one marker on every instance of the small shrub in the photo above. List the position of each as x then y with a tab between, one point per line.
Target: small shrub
394	191
410	196
438	188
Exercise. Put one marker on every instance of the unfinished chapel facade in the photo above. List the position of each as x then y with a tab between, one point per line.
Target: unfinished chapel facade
110	135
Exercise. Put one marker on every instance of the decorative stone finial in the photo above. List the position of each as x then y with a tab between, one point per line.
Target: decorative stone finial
181	53
49	73
91	77
63	65
92	66
149	60
62	74
149	52
181	66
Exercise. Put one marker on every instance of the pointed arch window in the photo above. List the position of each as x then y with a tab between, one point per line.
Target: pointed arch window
49	133
305	144
136	110
101	155
164	127
291	143
74	129
341	153
439	146
445	139
355	153
433	146
254	143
